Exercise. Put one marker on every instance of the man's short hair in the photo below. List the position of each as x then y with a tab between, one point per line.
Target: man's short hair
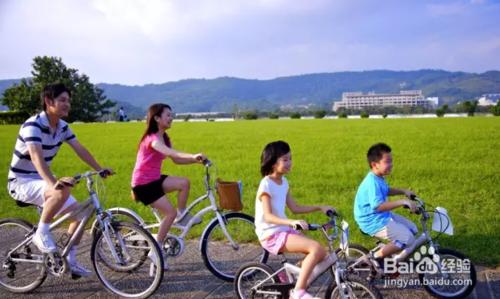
52	91
376	152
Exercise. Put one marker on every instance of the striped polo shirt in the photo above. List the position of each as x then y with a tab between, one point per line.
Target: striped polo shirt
36	130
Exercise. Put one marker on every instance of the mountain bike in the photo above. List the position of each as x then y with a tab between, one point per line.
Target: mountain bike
444	273
258	280
119	251
227	241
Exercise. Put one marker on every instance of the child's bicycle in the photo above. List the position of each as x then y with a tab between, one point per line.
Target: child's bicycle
444	273
119	260
258	280
227	241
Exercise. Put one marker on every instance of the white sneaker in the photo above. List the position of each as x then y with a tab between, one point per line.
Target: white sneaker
152	257
301	295
187	217
44	242
78	270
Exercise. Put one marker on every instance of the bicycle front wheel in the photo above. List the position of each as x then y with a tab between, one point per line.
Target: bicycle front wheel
353	287
456	277
222	257
122	263
19	272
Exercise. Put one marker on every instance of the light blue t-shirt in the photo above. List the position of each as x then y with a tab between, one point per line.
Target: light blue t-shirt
372	192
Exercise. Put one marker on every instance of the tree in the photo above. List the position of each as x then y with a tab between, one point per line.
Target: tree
295	115
496	109
364	114
440	112
319	114
469	107
88	102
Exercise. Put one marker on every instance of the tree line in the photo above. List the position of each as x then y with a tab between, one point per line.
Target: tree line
88	102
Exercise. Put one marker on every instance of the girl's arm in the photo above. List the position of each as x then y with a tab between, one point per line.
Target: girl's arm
269	217
176	156
300	209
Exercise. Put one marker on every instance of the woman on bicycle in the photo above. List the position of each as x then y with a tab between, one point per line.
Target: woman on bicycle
149	186
272	226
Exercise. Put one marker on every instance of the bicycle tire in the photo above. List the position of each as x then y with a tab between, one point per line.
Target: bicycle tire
13	275
220	258
117	215
249	275
123	279
470	276
356	285
355	251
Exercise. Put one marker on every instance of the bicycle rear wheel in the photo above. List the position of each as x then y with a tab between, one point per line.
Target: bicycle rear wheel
18	272
249	276
220	257
129	274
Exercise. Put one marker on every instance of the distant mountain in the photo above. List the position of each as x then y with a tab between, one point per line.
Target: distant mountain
222	94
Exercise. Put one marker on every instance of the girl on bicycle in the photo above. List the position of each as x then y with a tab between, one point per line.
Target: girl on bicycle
149	186
272	226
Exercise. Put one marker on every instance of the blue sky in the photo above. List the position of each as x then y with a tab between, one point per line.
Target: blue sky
154	41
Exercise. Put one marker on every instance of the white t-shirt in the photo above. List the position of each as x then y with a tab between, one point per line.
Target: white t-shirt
278	204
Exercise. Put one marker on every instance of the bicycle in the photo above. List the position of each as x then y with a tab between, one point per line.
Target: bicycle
227	241
258	280
431	262
123	245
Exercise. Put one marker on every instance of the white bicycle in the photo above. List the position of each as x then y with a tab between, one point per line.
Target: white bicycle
227	242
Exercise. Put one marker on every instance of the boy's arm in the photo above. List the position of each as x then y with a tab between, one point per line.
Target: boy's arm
405	192
391	205
299	209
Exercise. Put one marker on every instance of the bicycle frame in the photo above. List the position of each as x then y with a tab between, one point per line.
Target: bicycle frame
424	238
292	271
88	208
212	207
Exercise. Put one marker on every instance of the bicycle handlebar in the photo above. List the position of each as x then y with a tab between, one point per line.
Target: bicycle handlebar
311	226
103	173
207	163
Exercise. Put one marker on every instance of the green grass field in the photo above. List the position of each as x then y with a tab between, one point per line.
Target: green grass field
449	162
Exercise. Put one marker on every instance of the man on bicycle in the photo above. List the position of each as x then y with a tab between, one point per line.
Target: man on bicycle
30	179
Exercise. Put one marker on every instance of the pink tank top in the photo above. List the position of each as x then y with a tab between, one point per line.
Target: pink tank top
148	164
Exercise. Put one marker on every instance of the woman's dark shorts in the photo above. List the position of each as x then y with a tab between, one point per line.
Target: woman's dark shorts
150	192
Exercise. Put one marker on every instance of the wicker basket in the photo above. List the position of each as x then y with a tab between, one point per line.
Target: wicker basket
229	195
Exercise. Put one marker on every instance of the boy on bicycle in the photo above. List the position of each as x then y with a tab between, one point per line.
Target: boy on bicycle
372	210
30	179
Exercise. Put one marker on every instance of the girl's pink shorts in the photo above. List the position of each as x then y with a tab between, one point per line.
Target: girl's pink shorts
276	241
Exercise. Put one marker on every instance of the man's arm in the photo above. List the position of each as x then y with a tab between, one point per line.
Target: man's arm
36	154
84	154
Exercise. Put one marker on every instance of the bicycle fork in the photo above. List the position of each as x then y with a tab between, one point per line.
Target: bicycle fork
222	223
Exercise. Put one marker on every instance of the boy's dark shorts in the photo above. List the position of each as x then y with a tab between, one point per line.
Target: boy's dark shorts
150	192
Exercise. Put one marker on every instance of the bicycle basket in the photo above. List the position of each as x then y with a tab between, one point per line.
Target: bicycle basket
229	195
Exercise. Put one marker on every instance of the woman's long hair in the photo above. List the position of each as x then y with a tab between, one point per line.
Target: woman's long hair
152	125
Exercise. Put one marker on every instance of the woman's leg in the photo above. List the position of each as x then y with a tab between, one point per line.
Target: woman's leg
314	254
173	183
166	208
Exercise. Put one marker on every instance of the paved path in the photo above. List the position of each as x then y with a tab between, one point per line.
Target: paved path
188	278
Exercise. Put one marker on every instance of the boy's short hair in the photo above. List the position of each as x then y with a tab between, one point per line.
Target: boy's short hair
52	91
376	152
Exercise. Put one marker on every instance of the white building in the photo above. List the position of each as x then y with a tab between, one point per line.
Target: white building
358	100
489	99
